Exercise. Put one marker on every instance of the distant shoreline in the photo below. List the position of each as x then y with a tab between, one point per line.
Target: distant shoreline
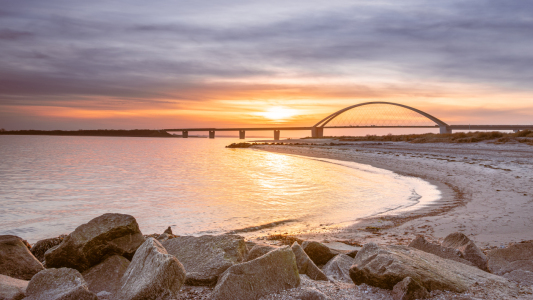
102	132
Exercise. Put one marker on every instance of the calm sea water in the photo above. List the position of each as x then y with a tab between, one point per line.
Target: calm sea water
50	185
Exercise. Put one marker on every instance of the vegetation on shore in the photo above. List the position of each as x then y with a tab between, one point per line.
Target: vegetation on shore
99	132
523	136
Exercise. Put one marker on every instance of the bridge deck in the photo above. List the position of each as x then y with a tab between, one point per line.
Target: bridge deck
453	127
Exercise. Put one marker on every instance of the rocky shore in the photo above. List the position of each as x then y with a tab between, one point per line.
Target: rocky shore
110	258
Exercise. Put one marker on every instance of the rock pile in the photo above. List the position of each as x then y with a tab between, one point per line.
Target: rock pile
118	262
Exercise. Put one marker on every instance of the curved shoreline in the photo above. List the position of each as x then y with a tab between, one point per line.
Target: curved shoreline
467	205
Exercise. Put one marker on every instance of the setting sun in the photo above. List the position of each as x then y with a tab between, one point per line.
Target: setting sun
278	113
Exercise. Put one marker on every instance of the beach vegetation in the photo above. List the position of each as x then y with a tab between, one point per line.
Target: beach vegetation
498	137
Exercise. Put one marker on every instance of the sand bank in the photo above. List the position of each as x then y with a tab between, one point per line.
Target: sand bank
487	190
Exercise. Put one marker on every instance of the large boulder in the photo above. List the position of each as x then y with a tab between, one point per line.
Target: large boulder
338	268
106	276
152	274
409	289
12	288
469	250
306	265
319	253
258	250
58	284
514	262
208	256
39	249
385	266
271	273
91	243
16	260
421	243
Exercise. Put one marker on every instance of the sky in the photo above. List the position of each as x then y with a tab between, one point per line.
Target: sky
172	64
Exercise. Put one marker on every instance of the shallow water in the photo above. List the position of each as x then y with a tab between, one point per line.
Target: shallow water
49	185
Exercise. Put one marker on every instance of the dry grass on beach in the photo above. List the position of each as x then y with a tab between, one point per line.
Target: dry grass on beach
524	136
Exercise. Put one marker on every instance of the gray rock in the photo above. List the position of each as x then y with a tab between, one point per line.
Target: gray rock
16	260
152	274
163	237
409	289
311	294
257	251
273	272
352	253
385	266
91	243
319	253
420	243
206	257
39	249
106	275
168	230
58	284
12	288
306	265
469	250
514	262
338	268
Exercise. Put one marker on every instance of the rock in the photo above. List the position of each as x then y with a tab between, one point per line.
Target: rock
420	243
514	262
257	251
320	254
409	289
39	249
385	266
341	247
206	257
106	275
273	272
311	294
469	250
163	237
16	259
352	253
338	268
91	243
12	288
152	274
306	265
58	284
168	231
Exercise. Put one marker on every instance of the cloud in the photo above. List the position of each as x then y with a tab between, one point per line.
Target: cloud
107	55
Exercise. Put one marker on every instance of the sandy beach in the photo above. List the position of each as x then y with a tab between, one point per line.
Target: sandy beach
487	190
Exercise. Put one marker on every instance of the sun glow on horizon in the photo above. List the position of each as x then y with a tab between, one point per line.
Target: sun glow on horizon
278	113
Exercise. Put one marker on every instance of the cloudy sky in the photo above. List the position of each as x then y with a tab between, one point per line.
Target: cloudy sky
170	64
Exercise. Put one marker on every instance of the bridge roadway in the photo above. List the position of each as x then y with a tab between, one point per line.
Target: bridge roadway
319	131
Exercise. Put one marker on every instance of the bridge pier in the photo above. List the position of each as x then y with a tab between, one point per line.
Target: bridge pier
242	134
211	134
317	132
184	134
445	129
276	135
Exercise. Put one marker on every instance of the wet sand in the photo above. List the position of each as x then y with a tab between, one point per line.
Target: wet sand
487	190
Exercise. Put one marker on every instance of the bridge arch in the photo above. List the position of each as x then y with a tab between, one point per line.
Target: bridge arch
318	128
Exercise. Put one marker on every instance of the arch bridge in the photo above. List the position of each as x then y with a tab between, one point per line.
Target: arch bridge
367	115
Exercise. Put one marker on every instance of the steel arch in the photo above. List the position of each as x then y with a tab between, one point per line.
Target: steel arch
326	120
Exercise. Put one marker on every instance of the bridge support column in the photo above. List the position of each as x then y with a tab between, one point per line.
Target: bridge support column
184	134
276	135
445	129
211	134
317	132
242	134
